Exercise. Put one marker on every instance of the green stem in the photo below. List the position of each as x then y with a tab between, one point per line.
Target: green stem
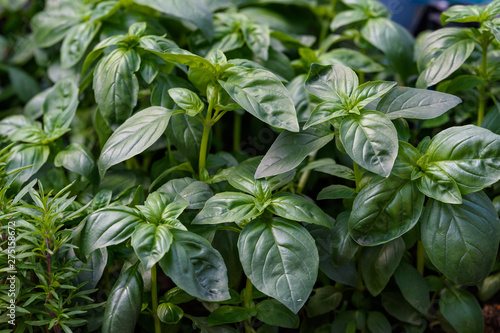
357	175
154	297
305	176
420	257
207	125
482	88
248	303
237	132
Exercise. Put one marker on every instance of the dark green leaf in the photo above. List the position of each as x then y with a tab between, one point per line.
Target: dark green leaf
324	300
437	184
124	303
60	105
281	260
193	191
378	263
274	313
406	161
371	140
350	58
25	86
462	240
228	314
399	308
262	94
337	192
290	149
169	313
462	310
195	266
134	136
413	287
78	159
378	323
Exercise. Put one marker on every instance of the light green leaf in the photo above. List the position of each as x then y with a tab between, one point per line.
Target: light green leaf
325	111
151	242
462	240
193	191
134	136
124	303
187	100
416	103
441	53
196	267
290	149
350	58
28	156
257	38
227	207
468	154
296	208
384	210
371	140
169	313
60	105
77	41
348	17
370	91
281	260
108	226
116	86
104	10
262	94
331	83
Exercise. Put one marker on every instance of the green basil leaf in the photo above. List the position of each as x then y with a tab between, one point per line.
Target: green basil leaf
394	41
257	38
441	53
60	105
162	84
462	14
149	69
337	192
378	263
108	226
413	287
406	161
193	191
77	41
30	157
371	140
51	25
290	149
29	134
462	240
134	136
151	242
242	178
348	17
104	10
194	11
468	154
330	83
263	95
395	304
378	323
281	260
124	302
324	300
437	184
23	84
326	111
300	96
98	49
350	58
462	310
169	313
196	267
461	83
274	313
227	314
116	86
343	247
160	207
416	103
78	159
227	207
163	49
494	28
187	100
384	210
489	287
94	268
296	208
370	91
329	166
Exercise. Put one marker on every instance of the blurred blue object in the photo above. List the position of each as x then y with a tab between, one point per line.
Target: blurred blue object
408	13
